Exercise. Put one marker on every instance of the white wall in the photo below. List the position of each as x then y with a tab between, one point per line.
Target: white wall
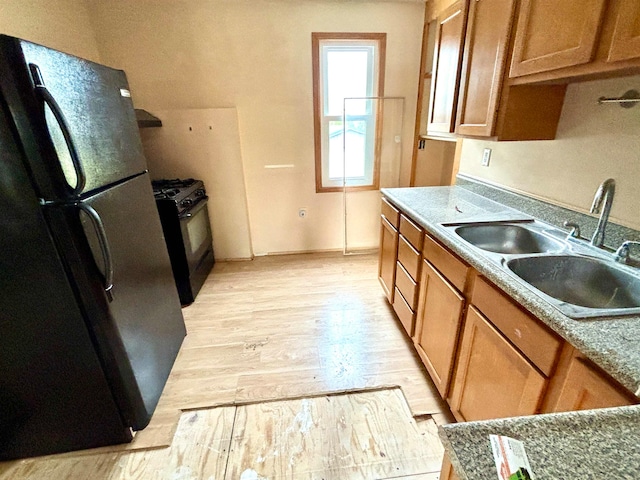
255	55
594	142
60	24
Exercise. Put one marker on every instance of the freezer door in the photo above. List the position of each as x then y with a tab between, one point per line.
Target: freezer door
79	113
145	328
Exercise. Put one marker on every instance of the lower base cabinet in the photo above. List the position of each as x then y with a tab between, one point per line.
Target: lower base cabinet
440	316
581	385
447	472
493	379
494	361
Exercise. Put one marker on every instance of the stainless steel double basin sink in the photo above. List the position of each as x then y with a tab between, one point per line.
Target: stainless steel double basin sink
578	279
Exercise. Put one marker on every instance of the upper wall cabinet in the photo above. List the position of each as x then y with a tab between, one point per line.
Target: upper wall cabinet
447	57
569	40
625	41
485	55
487	105
552	34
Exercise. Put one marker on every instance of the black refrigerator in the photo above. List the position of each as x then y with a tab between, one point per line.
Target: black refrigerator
90	320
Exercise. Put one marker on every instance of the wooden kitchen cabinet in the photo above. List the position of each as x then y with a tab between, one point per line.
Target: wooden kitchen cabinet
536	341
574	41
447	472
493	379
447	57
485	54
625	40
487	105
438	326
388	253
487	355
581	385
407	272
552	35
439	317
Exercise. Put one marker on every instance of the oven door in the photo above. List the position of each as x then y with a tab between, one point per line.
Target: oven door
196	233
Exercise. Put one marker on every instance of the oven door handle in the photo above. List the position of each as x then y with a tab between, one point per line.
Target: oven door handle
199	205
98	226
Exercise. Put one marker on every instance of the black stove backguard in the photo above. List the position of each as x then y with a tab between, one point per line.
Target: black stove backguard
182	205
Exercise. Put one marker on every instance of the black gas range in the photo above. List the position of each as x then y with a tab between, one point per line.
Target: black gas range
182	205
183	193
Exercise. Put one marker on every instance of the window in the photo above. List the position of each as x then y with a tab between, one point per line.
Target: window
351	66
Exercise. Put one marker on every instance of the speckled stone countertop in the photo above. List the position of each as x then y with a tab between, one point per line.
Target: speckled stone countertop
587	445
612	343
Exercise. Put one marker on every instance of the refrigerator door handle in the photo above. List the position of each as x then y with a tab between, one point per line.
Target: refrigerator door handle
104	245
49	100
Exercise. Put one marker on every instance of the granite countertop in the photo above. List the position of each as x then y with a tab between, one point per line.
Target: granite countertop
612	343
586	445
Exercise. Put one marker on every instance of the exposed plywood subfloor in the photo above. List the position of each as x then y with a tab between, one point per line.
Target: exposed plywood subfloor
349	436
286	327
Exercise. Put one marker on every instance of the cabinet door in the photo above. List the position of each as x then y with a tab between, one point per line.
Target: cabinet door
625	43
585	388
483	65
446	68
493	379
440	316
552	35
447	472
387	258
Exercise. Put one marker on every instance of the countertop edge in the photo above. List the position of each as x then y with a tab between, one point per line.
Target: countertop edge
591	440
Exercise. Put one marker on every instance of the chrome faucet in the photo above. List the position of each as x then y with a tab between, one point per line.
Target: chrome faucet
604	193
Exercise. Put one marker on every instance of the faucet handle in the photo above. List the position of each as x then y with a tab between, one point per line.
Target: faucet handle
575	229
622	254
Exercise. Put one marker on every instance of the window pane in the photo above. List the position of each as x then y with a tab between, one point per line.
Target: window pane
355	148
347	76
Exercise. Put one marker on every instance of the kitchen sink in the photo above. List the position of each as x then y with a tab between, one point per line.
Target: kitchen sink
599	286
508	239
578	279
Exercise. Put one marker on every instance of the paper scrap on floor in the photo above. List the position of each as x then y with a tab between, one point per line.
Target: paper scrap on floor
511	460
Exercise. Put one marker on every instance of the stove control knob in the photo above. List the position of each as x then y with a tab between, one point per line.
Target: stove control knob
200	192
187	202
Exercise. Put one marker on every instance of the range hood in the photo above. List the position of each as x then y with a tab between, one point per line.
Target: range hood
145	119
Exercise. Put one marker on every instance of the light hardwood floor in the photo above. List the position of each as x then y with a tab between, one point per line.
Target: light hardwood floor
283	327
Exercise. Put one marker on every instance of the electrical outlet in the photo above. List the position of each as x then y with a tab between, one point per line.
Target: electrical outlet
302	213
486	156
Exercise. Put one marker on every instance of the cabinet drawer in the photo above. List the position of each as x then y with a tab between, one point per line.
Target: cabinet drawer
407	286
405	313
412	232
527	333
409	257
454	269
391	213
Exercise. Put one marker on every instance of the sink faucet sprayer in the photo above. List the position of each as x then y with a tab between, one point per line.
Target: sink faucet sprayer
604	193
